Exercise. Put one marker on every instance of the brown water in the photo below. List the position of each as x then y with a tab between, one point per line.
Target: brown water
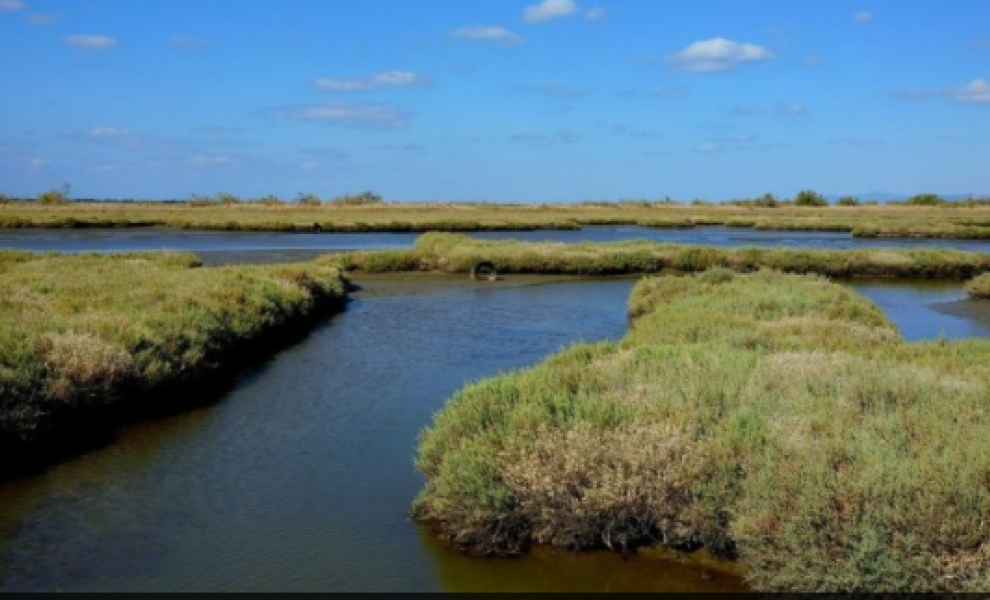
300	477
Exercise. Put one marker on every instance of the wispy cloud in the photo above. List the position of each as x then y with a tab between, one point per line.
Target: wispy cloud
554	90
718	54
792	109
862	17
708	148
670	93
90	42
44	19
118	137
487	33
785	109
546	140
373	82
11	5
596	13
363	115
974	92
549	10
188	43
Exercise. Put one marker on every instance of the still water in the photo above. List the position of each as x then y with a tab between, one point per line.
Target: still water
300	476
296	246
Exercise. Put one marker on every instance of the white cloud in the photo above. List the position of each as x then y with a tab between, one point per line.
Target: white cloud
90	42
374	116
549	9
862	17
718	54
595	14
487	33
975	92
374	82
11	5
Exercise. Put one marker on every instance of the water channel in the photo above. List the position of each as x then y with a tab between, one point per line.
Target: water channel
300	476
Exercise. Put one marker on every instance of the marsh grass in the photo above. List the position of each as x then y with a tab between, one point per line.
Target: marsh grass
457	254
776	419
980	287
84	333
353	214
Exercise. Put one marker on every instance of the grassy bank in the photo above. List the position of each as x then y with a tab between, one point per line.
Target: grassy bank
457	254
84	334
980	287
944	221
776	419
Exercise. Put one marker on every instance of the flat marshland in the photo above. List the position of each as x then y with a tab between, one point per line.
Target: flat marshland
776	419
956	220
84	333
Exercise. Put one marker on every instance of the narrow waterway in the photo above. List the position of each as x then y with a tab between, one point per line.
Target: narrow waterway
299	477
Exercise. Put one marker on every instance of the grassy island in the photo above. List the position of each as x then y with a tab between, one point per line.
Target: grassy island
83	334
775	419
456	253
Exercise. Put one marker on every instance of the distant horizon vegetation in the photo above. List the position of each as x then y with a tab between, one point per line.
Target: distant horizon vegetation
62	195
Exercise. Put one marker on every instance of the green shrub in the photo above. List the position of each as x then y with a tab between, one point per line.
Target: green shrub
979	287
81	332
809	198
777	419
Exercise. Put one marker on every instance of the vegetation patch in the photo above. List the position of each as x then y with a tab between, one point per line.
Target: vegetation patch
924	216
82	334
772	418
980	287
457	254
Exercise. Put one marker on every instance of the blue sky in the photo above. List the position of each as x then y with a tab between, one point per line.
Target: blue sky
502	100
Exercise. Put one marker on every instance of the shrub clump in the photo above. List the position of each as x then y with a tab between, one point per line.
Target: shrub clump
980	287
85	332
776	419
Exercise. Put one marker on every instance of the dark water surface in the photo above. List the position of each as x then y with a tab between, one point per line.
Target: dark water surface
300	477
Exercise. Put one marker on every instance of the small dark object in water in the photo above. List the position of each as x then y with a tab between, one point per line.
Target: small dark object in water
317	227
484	269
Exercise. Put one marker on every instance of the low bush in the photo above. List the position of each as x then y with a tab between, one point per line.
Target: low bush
85	332
775	419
